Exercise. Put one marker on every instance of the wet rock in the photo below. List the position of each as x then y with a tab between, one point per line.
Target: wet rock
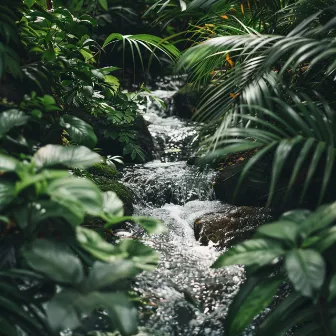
252	192
231	226
185	101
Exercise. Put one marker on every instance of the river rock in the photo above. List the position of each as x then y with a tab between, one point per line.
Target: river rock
230	226
185	101
251	192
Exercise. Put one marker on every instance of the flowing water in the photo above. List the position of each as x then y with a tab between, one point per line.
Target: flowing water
184	295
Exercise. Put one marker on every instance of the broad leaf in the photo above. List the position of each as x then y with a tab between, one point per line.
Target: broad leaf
80	193
10	119
252	252
332	288
104	4
70	156
250	302
55	261
306	270
8	163
151	225
143	257
284	231
92	242
112	205
79	131
66	309
7	193
104	275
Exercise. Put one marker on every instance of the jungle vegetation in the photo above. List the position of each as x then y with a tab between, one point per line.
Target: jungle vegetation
267	69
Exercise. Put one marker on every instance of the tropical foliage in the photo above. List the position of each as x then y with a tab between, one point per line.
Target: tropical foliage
56	274
268	68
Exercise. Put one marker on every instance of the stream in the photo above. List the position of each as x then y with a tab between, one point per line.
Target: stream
184	295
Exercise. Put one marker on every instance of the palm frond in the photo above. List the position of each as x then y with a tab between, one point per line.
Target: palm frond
302	135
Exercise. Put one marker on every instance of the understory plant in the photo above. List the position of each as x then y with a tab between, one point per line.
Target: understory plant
56	274
269	69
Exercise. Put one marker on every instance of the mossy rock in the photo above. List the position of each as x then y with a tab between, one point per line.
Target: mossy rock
103	169
123	192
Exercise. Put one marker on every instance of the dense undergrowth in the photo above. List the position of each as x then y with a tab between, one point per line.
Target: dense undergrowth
55	273
268	72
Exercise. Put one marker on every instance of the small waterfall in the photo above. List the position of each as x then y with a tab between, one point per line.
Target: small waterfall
184	295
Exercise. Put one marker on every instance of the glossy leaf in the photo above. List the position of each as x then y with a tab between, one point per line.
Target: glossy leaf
78	194
55	261
332	288
112	205
104	275
8	163
252	252
151	225
252	302
79	131
306	270
10	119
66	309
7	193
69	156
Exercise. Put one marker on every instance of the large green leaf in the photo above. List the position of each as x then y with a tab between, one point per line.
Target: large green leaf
55	261
332	288
252	252
66	309
306	270
143	257
79	131
92	242
104	275
8	163
10	119
80	193
7	193
284	231
69	156
151	225
112	206
254	296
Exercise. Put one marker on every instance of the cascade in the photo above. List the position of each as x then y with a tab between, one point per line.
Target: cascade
183	296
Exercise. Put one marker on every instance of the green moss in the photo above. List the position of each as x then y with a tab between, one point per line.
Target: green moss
123	192
103	169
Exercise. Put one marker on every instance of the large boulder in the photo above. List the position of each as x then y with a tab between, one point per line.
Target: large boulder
186	101
231	226
252	192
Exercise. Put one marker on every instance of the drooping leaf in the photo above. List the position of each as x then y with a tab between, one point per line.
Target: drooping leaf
69	156
104	275
252	252
7	193
10	119
66	309
284	231
79	131
8	163
252	299
92	242
112	205
151	225
103	4
80	193
55	261
332	288
306	270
